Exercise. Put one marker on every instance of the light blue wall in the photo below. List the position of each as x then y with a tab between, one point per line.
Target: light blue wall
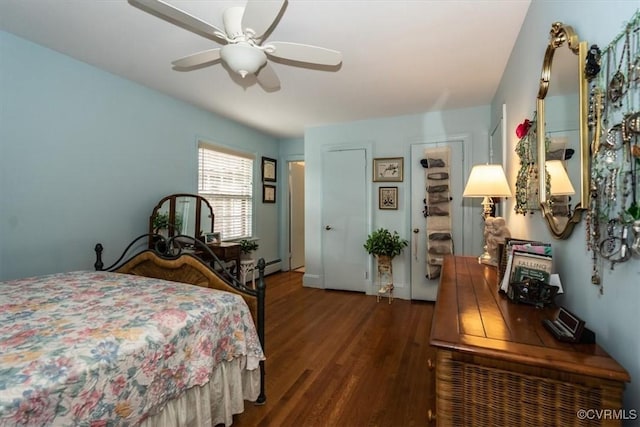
387	137
613	315
85	155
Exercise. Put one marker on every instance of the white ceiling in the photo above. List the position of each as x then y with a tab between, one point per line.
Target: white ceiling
399	56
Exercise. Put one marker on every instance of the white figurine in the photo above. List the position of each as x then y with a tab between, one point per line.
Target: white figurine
495	232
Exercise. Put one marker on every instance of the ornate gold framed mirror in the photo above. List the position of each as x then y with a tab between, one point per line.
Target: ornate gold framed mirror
562	134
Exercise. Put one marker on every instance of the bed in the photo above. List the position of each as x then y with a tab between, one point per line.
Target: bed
133	344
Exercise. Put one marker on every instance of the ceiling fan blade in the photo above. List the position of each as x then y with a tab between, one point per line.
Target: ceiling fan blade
260	15
268	79
197	59
304	53
180	18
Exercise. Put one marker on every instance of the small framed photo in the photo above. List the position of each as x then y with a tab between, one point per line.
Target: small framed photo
388	198
388	169
212	238
268	193
269	169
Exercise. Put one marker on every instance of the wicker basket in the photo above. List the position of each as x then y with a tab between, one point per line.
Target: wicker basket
478	395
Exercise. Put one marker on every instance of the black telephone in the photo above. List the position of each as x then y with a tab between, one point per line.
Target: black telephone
568	327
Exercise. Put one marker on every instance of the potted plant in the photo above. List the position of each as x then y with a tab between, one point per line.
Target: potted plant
385	245
382	243
246	247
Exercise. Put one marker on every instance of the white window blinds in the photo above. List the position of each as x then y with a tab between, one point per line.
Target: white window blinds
225	179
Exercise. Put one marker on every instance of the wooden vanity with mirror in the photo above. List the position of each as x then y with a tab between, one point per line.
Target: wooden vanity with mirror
498	366
191	215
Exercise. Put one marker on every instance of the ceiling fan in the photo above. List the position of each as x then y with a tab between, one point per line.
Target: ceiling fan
245	29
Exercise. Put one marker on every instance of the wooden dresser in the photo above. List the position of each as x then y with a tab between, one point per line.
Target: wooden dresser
498	366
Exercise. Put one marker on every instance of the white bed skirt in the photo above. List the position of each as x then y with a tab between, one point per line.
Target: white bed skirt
213	403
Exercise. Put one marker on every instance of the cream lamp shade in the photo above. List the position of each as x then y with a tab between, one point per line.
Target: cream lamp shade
560	182
487	181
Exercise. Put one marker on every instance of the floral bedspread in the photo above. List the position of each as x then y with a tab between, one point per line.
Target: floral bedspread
99	348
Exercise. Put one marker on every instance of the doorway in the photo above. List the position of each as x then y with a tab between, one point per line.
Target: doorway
296	216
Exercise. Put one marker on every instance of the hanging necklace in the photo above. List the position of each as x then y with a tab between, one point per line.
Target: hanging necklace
596	97
592	66
633	77
627	49
634	70
617	83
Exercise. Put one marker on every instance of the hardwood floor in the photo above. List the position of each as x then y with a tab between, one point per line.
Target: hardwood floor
342	359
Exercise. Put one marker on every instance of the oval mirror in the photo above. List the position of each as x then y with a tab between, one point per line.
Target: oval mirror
562	137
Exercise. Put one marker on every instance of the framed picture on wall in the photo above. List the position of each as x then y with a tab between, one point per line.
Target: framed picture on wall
388	169
268	193
269	169
388	198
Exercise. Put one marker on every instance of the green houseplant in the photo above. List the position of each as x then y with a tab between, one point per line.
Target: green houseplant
383	242
385	245
248	246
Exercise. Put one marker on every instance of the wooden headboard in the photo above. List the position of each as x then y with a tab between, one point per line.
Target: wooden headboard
185	269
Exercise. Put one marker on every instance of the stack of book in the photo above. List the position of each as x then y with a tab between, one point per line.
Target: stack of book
526	272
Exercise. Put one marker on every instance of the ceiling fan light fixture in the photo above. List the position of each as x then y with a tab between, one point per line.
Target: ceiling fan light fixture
245	29
243	58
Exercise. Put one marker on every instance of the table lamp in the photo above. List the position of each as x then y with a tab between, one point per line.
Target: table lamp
488	181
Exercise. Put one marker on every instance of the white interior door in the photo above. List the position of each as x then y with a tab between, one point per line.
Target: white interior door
423	288
344	215
296	215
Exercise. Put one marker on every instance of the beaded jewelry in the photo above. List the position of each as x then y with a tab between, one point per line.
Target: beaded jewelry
633	73
617	84
615	247
525	181
596	124
592	67
614	139
630	126
614	123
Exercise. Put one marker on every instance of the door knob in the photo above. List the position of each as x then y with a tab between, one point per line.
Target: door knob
328	227
416	230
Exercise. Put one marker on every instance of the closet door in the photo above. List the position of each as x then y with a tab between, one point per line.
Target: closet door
344	215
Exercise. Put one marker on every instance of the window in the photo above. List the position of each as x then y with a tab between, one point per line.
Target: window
225	179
